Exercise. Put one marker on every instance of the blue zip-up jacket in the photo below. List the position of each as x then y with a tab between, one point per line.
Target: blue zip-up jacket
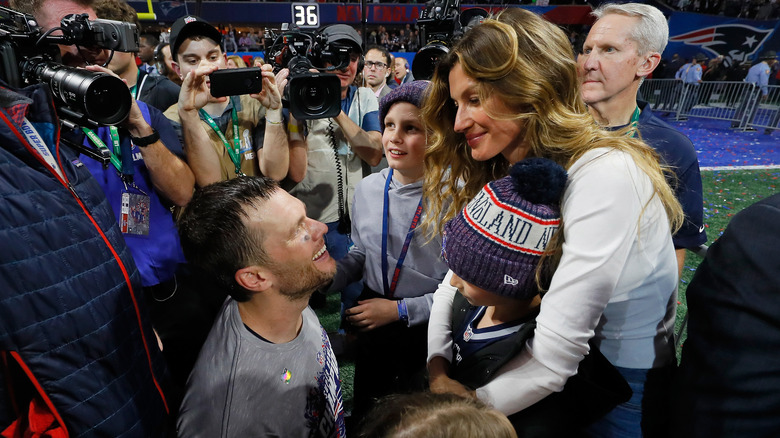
74	331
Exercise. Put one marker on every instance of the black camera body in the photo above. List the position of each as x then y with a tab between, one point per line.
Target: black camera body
311	92
29	56
441	24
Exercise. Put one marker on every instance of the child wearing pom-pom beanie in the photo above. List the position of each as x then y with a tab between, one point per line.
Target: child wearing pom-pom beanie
494	248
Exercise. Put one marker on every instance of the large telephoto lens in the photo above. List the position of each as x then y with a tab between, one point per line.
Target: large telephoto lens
314	96
425	60
101	97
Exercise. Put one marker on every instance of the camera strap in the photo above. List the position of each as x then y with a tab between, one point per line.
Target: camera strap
121	159
390	287
34	138
233	151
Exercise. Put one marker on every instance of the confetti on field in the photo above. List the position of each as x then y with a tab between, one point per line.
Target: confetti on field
719	146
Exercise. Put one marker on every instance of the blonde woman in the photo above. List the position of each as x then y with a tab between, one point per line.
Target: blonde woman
507	91
235	61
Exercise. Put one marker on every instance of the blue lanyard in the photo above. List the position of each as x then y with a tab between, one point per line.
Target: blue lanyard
390	287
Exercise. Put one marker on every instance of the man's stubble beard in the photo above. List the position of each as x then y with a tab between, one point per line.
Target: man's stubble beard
297	283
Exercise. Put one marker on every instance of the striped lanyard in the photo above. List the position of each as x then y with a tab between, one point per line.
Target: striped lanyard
390	287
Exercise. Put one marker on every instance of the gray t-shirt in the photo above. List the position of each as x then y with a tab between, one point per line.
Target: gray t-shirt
243	386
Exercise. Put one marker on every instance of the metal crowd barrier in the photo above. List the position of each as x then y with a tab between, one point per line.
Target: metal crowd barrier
740	103
766	110
661	94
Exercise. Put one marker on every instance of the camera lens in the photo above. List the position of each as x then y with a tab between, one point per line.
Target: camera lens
314	96
425	60
101	97
104	100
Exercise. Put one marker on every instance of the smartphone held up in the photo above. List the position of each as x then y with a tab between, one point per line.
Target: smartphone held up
236	81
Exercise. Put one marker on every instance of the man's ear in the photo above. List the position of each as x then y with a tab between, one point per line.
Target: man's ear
176	69
649	64
254	278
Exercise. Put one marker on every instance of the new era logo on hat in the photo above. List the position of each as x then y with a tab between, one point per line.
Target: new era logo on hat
510	281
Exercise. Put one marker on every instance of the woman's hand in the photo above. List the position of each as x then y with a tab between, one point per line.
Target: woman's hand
373	313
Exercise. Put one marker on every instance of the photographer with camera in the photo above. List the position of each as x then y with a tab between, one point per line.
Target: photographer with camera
335	153
224	137
147	175
79	353
150	88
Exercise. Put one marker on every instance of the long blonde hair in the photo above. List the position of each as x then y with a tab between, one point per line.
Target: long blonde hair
525	61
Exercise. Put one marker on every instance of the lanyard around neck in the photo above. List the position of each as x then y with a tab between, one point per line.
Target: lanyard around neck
40	147
390	287
140	80
634	124
121	159
233	151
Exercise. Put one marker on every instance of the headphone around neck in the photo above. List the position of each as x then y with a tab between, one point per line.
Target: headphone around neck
159	59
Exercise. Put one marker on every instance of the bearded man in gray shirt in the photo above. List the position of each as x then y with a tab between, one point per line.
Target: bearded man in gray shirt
267	368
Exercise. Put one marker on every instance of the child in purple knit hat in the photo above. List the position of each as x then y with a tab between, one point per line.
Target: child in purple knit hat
494	249
399	265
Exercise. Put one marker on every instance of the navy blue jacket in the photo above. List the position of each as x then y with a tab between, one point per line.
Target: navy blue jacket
678	152
729	379
74	331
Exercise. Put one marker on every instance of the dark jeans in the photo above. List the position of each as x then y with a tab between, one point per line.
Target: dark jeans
388	360
647	414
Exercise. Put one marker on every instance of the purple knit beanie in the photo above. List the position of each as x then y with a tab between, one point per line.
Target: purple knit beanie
496	242
412	92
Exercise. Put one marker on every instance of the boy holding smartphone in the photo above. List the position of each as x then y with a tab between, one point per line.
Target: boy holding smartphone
224	137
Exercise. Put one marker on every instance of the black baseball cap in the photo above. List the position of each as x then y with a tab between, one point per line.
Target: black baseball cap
345	34
769	54
188	26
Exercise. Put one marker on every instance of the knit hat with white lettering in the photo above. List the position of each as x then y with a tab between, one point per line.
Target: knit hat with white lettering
496	242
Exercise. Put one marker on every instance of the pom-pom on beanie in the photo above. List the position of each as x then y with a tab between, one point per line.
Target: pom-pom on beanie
496	242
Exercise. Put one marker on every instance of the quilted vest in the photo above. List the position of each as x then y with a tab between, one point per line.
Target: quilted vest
74	331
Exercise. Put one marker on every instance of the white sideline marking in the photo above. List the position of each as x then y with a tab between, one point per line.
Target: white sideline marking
774	166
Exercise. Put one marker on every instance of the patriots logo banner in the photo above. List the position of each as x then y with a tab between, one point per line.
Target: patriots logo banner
736	40
172	10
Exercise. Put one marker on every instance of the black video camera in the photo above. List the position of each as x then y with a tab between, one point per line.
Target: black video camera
441	25
309	94
29	56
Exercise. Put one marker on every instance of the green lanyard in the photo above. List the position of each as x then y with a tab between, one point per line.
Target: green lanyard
116	154
234	151
634	123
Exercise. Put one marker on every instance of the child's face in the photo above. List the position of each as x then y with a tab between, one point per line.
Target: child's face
404	138
476	296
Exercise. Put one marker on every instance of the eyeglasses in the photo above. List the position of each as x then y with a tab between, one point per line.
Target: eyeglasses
378	65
